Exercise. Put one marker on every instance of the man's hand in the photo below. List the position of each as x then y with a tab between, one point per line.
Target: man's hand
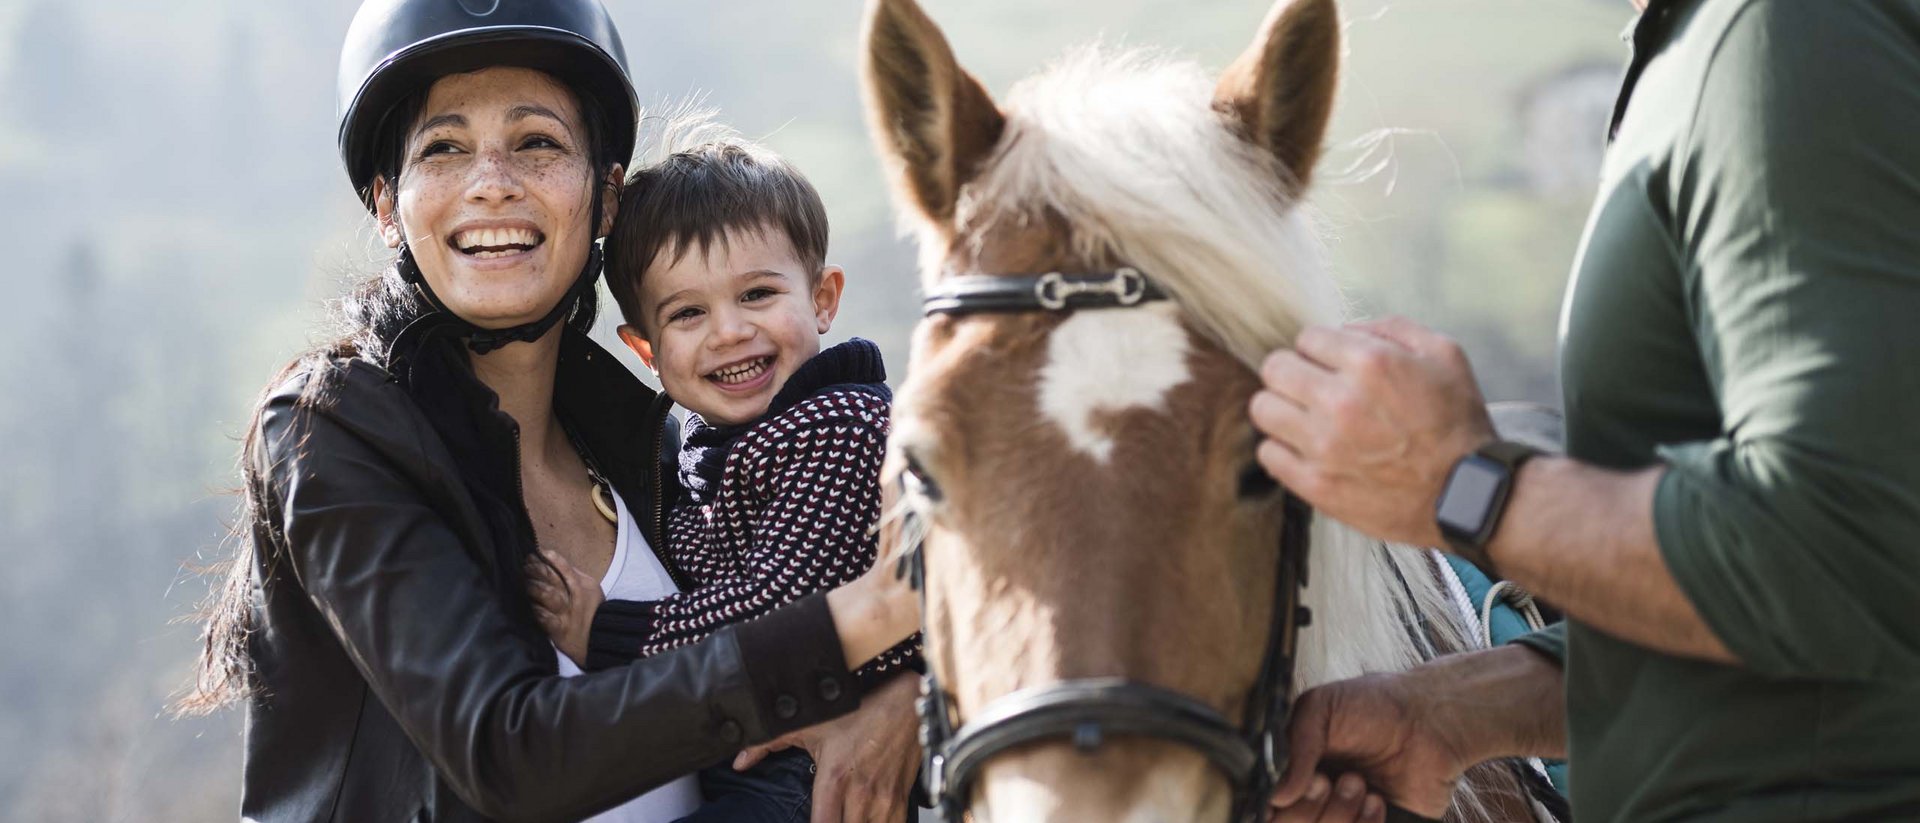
1372	726
1365	422
865	761
1412	735
1345	800
564	600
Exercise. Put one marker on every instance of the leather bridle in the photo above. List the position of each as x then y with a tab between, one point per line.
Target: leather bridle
1087	712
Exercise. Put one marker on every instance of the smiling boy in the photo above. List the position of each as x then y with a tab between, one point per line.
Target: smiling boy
717	260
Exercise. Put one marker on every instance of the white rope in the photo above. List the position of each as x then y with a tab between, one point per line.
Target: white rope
1519	598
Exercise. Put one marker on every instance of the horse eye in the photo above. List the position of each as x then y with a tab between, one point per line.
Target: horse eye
916	482
1256	483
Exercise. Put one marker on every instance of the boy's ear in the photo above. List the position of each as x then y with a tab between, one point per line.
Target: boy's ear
826	297
386	215
631	336
610	200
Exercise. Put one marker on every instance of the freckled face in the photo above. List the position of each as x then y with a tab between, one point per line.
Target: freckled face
729	327
494	194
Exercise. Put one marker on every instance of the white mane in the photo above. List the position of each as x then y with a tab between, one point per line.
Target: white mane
1125	147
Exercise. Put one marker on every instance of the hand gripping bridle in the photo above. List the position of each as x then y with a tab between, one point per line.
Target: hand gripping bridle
1086	712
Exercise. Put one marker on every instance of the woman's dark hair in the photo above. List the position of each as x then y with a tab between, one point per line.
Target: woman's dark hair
368	319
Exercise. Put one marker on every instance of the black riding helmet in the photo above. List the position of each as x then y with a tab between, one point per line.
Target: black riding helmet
396	48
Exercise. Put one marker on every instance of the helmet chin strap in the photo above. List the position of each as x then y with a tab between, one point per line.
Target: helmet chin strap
483	340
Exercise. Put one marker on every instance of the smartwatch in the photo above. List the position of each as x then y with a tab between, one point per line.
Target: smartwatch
1475	496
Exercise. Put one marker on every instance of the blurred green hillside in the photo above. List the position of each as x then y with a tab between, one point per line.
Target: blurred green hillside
171	168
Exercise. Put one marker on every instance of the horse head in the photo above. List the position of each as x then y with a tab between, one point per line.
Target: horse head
1086	479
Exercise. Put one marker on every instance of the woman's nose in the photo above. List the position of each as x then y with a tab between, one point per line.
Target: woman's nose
493	178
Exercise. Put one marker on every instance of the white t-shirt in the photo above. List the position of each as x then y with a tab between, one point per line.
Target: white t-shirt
636	574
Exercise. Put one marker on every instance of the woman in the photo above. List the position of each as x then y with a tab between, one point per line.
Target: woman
397	479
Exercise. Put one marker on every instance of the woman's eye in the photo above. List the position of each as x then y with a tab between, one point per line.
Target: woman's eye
438	147
541	141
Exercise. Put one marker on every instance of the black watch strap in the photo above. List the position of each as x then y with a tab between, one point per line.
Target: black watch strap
1510	455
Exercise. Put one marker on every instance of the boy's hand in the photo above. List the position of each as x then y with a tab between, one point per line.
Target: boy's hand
564	600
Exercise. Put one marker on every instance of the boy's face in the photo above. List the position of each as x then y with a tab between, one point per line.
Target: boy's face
726	329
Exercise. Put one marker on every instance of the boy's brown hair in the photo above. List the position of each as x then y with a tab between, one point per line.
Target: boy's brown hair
690	200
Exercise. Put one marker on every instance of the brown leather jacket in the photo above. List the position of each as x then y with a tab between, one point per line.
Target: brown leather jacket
400	675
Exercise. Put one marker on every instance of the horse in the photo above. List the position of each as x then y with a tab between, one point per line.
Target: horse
1087	506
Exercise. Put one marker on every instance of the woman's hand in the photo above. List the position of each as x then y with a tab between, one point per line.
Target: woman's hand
878	609
564	600
866	761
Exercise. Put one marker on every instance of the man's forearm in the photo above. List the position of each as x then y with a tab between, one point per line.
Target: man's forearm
1508	701
1582	538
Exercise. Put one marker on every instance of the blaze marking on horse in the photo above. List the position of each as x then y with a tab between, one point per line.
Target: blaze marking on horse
1110	361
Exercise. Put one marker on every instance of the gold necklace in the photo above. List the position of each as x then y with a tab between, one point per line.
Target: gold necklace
602	495
600	491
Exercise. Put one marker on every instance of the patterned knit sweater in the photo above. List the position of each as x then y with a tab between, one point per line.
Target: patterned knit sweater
769	512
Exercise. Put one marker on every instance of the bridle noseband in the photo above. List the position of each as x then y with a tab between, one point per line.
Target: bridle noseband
1087	712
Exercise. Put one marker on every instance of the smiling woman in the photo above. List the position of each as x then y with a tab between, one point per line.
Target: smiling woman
494	194
376	621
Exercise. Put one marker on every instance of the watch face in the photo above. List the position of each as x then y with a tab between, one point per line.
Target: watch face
1469	494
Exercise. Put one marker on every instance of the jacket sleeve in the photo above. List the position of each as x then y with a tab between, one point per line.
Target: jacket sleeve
1796	196
412	610
812	531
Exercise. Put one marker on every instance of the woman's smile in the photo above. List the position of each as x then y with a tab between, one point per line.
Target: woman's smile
497	245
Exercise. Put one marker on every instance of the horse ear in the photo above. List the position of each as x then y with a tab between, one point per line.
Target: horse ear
933	121
1279	92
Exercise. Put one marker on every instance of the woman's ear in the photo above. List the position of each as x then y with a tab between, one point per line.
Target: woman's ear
610	200
826	297
631	336
386	215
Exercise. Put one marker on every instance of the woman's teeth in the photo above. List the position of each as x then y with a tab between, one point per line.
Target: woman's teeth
741	373
489	243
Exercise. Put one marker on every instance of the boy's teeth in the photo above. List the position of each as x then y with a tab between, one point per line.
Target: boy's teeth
743	372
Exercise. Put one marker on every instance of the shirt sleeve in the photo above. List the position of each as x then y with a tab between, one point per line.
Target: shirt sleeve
812	531
1550	641
1796	205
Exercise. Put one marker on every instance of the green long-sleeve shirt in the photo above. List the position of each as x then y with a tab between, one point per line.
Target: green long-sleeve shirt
1746	310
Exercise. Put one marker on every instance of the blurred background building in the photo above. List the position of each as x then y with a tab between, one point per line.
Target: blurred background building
181	218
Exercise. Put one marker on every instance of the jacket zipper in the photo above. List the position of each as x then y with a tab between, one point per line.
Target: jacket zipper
520	486
658	540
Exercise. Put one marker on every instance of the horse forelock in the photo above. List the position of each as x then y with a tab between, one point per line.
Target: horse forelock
1124	149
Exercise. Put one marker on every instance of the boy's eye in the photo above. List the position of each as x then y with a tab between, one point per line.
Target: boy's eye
758	294
683	314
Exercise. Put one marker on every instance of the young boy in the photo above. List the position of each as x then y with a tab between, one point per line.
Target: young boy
717	263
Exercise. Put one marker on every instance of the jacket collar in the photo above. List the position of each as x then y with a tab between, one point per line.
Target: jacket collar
612	412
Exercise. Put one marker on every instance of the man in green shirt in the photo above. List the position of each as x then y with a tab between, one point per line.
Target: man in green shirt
1735	532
